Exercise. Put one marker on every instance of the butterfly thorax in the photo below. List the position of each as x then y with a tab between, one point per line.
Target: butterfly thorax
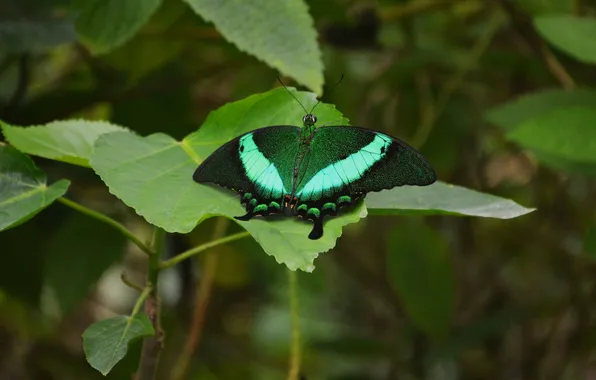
307	134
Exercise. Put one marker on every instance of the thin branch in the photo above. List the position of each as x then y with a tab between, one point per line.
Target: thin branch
198	249
295	346
203	295
413	8
106	219
152	346
144	294
522	25
556	68
480	47
131	284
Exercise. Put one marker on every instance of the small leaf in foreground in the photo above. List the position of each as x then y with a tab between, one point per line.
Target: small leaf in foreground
573	35
23	188
280	33
419	267
566	132
442	198
68	141
106	24
106	342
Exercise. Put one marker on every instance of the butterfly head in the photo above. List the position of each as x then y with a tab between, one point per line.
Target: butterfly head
309	120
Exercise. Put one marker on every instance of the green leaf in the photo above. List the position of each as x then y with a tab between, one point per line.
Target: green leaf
280	33
106	24
566	132
69	141
532	106
442	198
24	191
572	35
74	265
419	267
512	114
106	342
154	176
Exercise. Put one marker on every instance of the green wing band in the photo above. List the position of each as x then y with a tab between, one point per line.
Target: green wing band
259	169
337	175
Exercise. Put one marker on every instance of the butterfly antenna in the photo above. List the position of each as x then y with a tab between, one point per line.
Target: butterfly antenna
330	91
292	95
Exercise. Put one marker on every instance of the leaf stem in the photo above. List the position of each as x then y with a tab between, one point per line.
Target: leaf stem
144	294
106	219
131	284
203	295
203	247
295	346
152	345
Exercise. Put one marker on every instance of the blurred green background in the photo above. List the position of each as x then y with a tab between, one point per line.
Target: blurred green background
435	297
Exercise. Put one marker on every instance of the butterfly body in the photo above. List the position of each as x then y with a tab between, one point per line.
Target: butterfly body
311	172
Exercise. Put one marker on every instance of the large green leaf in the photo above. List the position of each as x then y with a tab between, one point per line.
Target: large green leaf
74	265
67	140
106	342
566	132
280	33
154	176
442	198
23	188
419	267
106	24
512	114
573	35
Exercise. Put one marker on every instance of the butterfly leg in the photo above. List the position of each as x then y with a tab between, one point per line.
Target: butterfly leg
249	215
317	229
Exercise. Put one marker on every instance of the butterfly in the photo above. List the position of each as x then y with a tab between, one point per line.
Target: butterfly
311	172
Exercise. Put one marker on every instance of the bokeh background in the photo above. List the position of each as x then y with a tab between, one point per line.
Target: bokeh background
474	298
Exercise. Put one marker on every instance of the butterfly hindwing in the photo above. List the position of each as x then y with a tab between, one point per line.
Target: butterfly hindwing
344	163
258	165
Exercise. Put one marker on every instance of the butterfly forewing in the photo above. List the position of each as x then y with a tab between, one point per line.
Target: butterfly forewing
344	163
258	165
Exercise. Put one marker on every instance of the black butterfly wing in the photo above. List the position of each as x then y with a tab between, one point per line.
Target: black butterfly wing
258	165
345	163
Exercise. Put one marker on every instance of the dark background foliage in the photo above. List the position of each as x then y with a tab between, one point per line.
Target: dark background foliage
412	297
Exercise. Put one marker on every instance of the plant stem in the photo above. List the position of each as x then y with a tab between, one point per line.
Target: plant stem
198	249
152	345
106	219
295	346
144	294
203	294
